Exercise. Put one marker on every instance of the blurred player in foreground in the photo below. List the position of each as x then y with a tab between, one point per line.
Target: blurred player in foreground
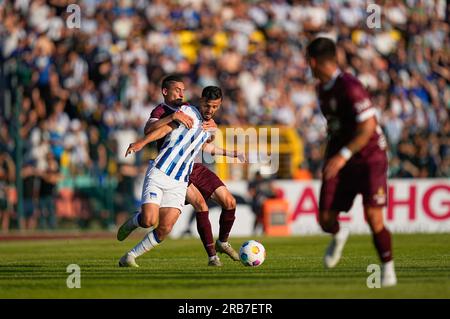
355	159
166	180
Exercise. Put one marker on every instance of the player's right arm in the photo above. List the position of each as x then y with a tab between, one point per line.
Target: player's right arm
156	123
366	126
151	137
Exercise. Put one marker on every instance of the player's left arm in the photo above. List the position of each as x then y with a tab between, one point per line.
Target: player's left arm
214	150
151	137
366	126
178	117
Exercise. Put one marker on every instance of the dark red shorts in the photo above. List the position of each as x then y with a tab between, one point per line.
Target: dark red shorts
205	180
368	179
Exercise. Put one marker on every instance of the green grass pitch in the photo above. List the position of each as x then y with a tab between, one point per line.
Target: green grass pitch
178	269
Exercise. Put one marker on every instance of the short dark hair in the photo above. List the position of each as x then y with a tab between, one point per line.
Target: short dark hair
321	48
212	93
169	79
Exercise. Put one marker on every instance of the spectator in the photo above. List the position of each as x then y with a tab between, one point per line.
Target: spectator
7	179
124	200
30	196
260	189
106	74
47	193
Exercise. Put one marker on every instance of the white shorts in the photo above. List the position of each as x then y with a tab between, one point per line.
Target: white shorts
163	190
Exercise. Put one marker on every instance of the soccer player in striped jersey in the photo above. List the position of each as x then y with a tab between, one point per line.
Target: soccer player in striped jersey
166	180
203	183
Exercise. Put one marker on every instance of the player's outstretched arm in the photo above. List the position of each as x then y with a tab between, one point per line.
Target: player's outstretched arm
214	150
178	116
151	137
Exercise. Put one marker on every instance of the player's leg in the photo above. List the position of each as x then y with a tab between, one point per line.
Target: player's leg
146	218
328	220
167	218
375	199
195	198
170	196
335	196
383	244
152	199
224	198
151	195
150	212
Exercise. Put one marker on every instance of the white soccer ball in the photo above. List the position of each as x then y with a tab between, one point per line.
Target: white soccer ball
252	253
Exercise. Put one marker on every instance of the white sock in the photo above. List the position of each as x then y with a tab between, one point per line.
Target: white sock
389	266
136	219
213	257
149	241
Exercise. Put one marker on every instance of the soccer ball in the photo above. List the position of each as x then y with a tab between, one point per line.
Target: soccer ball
252	253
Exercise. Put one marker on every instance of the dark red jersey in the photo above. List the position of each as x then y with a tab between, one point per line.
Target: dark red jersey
345	103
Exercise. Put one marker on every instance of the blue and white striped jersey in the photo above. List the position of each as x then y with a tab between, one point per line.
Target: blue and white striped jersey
181	146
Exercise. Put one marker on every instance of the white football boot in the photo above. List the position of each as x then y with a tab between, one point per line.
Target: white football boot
214	261
334	250
225	248
128	260
388	277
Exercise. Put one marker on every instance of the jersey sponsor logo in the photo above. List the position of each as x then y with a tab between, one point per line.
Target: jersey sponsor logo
153	195
380	196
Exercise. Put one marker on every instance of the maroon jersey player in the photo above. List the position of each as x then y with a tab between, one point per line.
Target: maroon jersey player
203	184
355	159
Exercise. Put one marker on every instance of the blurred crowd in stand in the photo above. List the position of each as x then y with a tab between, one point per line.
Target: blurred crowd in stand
88	91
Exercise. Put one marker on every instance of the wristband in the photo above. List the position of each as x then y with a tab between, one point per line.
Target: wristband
345	153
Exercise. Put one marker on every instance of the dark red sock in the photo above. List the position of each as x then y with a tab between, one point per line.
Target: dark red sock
205	232
382	241
226	221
